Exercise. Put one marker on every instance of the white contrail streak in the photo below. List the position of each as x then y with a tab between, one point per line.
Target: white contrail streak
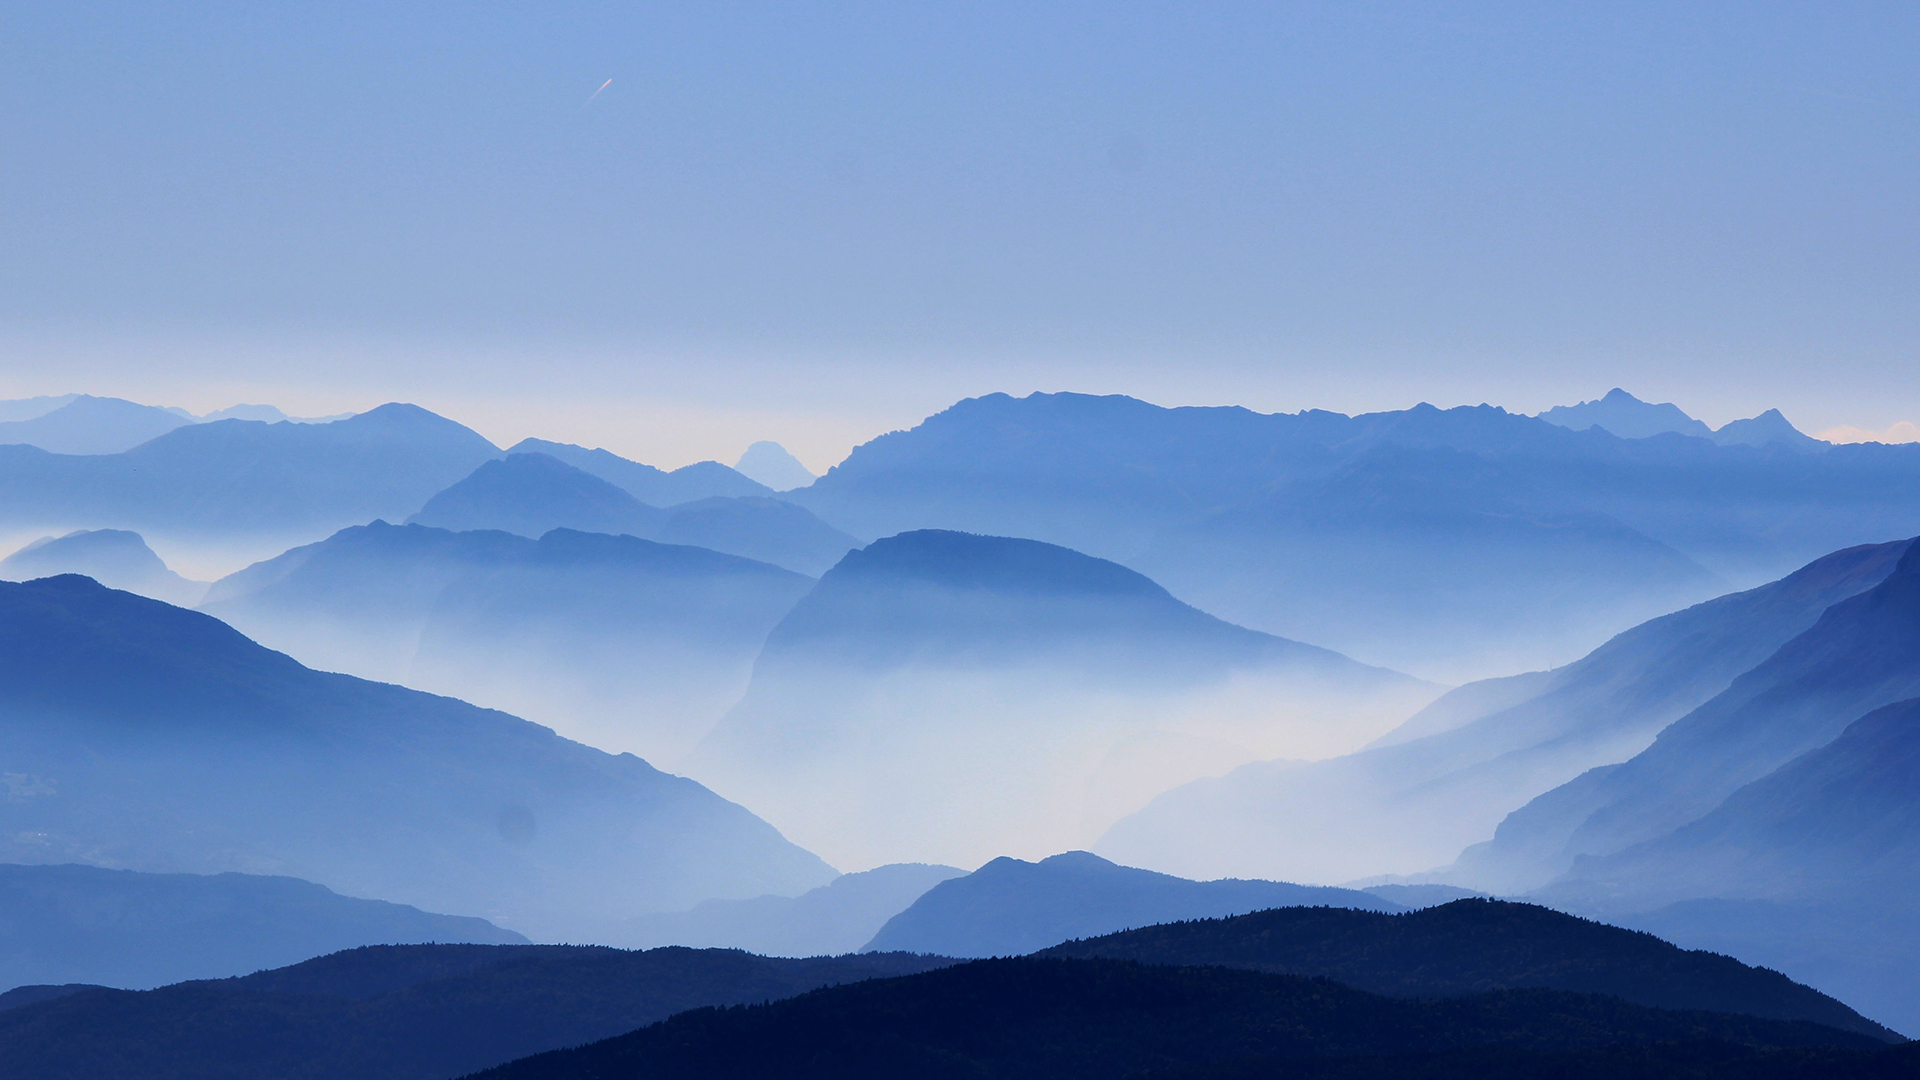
596	93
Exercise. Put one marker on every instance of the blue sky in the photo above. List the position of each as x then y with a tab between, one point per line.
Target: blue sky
816	222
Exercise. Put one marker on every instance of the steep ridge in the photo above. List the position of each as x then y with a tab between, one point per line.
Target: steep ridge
415	1012
1472	947
947	696
1627	416
1445	779
838	917
621	642
1009	907
243	477
769	463
1863	652
1033	1017
655	487
114	557
83	924
1467	540
92	425
157	739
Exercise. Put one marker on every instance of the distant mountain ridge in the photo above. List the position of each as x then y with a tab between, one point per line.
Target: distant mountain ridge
160	739
1624	415
655	487
85	424
113	557
954	696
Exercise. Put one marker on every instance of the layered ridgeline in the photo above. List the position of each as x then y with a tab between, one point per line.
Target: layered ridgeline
1630	418
1444	780
532	493
147	737
956	697
84	424
839	917
1010	907
1462	542
83	924
617	641
116	558
238	479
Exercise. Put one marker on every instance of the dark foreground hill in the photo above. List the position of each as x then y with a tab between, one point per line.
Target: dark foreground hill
1058	1018
83	924
149	737
1475	946
1703	1059
1010	907
411	1012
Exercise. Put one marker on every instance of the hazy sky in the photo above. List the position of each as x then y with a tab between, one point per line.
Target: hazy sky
816	222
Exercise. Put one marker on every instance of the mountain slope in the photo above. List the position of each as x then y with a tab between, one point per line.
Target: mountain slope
655	487
1472	947
838	917
1031	1017
83	924
92	425
1626	416
769	463
158	739
531	494
114	557
417	1012
622	642
1009	907
1862	653
1445	779
953	697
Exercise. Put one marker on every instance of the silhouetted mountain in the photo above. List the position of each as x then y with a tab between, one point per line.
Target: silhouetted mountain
75	924
1009	907
1447	777
943	695
1033	1017
531	494
838	917
410	1012
1767	429
1467	541
1627	416
240	476
1862	653
655	487
92	425
769	463
152	738
1472	947
114	557
618	641
1694	1059
16	409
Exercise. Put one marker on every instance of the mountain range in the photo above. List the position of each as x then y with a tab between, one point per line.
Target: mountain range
114	557
952	696
147	737
838	917
619	641
1627	416
1446	778
84	424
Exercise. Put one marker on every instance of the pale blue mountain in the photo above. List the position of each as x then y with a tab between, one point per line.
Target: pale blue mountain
62	924
531	493
1446	778
1009	907
769	463
655	487
268	414
243	477
1768	429
1862	653
1622	414
142	736
622	642
1460	542
943	695
832	920
92	425
28	408
116	558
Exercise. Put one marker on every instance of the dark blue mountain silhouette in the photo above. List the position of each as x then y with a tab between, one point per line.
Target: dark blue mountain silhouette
655	487
1446	778
1009	907
113	557
952	696
152	738
1429	537
83	924
245	476
621	641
